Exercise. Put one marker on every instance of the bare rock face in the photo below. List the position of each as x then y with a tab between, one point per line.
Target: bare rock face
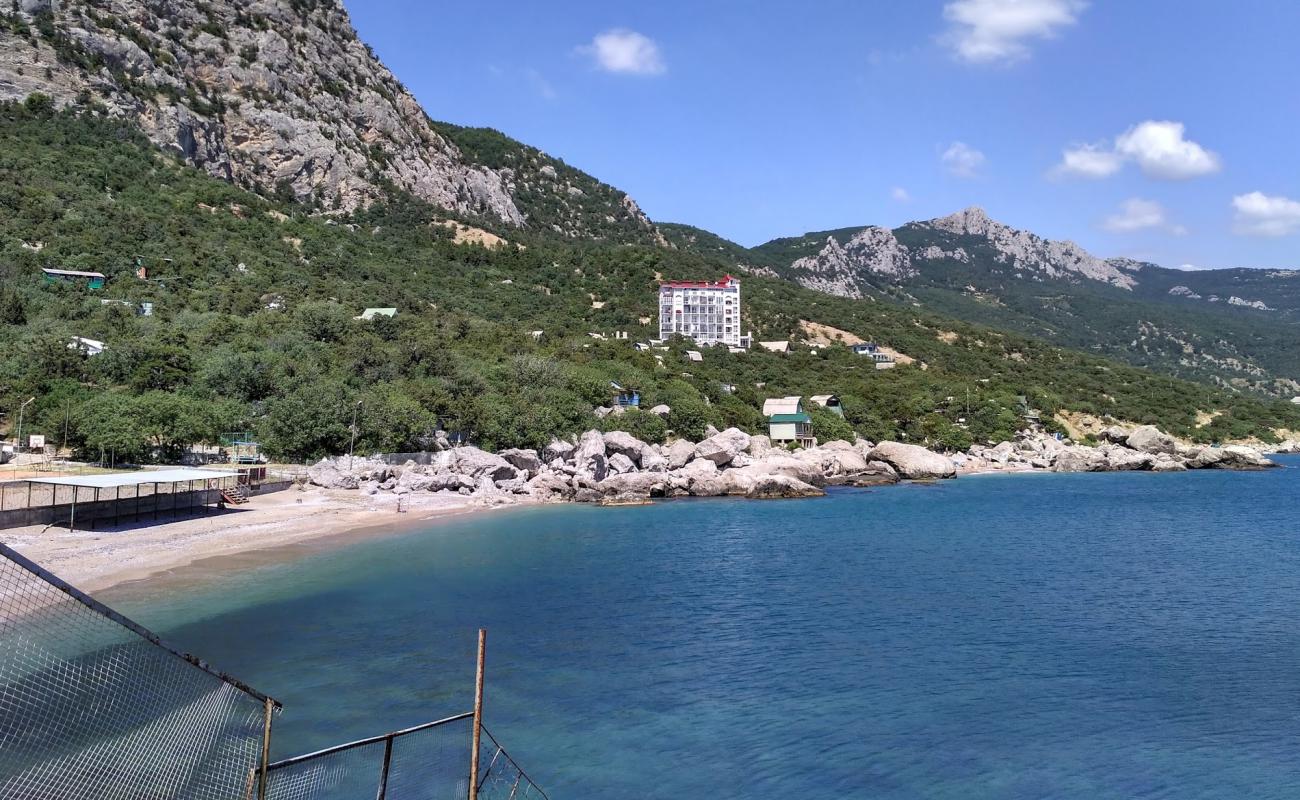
840	267
625	444
914	462
525	460
722	447
477	464
589	455
281	95
1149	439
680	452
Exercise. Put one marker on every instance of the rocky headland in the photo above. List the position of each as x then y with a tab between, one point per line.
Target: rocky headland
616	468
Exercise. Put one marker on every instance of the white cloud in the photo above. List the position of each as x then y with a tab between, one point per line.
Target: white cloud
1089	161
900	195
991	31
1259	214
962	160
625	52
1136	214
1162	151
539	83
1193	268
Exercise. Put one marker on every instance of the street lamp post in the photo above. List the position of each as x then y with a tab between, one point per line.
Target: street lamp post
353	442
21	408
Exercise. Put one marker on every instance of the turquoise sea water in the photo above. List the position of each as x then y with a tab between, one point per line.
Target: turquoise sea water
1040	636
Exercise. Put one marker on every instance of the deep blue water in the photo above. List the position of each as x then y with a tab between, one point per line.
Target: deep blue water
1042	636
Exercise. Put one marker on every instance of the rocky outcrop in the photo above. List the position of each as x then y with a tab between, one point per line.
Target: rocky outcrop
281	95
616	468
1149	439
914	462
844	264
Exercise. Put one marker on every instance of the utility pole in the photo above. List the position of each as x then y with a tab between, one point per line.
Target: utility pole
19	444
352	443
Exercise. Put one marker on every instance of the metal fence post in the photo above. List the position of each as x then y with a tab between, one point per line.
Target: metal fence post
383	772
478	714
266	748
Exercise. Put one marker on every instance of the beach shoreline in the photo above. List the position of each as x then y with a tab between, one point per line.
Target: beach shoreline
109	558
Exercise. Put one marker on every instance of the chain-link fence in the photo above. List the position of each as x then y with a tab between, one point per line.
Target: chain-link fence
94	706
427	762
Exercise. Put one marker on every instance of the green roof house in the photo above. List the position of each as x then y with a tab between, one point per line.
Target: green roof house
788	422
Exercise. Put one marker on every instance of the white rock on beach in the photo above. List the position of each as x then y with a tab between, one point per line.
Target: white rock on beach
914	462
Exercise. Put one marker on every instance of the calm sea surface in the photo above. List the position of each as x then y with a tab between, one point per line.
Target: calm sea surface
1041	636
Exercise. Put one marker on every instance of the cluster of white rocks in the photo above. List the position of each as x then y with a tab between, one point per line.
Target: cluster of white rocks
1120	449
617	468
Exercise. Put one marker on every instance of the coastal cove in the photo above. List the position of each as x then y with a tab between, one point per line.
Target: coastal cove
1008	635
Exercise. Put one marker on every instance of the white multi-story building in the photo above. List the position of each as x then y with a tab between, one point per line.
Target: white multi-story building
705	312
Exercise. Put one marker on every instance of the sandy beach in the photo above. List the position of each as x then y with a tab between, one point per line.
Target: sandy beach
99	559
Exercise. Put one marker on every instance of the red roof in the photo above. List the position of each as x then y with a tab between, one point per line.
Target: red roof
726	282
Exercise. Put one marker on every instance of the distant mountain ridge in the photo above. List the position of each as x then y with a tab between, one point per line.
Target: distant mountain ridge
1233	328
281	96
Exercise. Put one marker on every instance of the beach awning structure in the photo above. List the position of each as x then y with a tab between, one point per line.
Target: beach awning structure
189	490
119	479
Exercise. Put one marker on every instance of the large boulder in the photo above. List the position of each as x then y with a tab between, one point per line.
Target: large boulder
550	488
914	462
623	443
620	464
1119	459
651	461
1150	439
877	473
680	452
778	463
770	487
634	487
589	455
1233	456
525	460
558	448
1079	458
721	448
662	411
478	463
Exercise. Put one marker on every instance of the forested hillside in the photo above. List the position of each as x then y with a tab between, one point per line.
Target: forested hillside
253	325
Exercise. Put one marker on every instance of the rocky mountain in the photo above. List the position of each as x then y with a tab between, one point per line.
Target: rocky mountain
1231	328
842	262
281	96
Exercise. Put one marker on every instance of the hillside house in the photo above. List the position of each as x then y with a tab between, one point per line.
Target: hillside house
829	402
91	280
88	347
694	355
871	350
775	347
788	422
371	313
625	398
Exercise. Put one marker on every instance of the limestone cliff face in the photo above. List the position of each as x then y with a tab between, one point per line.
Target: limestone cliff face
273	94
1030	252
873	252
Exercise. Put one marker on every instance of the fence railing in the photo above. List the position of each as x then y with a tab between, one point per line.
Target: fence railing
426	762
94	706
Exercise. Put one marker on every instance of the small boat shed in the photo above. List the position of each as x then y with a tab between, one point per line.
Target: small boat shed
83	500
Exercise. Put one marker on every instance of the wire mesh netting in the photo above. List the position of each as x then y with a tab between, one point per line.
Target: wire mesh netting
92	706
430	762
500	778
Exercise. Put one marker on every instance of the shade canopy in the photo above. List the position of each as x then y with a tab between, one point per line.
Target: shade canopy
117	479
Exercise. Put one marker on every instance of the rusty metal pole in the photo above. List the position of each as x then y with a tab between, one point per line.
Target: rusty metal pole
478	714
266	748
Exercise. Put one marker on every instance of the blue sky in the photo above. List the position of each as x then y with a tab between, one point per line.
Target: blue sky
762	118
